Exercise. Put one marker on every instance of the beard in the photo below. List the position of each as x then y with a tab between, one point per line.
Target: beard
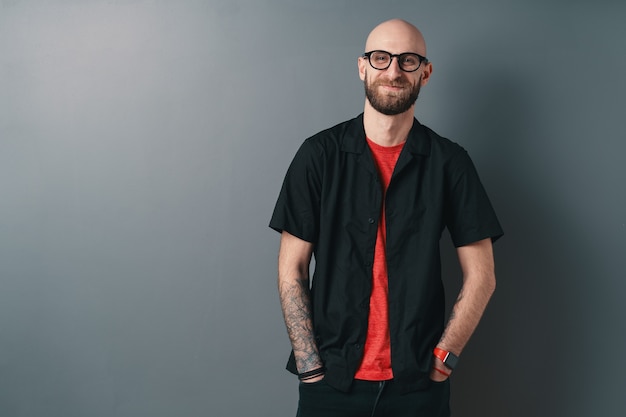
391	105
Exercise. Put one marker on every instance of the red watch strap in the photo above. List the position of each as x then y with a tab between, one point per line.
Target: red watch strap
441	354
440	371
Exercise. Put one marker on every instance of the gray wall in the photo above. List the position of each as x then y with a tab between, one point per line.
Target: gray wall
142	146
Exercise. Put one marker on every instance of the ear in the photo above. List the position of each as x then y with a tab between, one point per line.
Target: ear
362	63
426	72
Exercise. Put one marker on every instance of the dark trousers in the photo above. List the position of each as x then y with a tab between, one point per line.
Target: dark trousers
373	399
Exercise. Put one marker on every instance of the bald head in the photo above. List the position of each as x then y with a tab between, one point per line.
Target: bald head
396	36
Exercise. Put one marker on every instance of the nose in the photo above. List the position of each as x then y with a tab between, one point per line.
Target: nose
394	67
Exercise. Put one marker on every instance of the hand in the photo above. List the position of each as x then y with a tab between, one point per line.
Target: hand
438	370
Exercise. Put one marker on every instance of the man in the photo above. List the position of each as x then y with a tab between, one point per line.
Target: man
370	198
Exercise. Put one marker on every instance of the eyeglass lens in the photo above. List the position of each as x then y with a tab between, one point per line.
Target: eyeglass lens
382	60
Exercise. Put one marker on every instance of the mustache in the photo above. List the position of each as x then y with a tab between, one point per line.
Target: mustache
392	83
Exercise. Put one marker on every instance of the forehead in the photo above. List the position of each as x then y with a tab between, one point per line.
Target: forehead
396	38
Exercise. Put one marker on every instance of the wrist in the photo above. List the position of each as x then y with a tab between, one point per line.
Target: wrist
312	374
312	380
449	359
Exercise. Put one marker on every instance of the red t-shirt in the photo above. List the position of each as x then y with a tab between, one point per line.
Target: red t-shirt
376	363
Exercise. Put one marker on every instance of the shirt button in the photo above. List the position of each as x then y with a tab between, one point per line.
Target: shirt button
371	221
357	346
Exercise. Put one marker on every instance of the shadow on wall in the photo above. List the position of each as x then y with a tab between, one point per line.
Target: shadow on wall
507	371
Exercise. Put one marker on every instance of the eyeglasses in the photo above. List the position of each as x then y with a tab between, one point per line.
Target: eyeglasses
408	61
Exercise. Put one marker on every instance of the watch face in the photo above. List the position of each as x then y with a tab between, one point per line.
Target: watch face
451	360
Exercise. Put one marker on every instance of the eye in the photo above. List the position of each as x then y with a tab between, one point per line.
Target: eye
380	58
410	60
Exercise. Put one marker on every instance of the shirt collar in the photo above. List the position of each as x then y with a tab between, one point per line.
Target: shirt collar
353	140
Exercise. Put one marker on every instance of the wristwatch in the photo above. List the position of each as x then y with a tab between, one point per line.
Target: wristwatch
448	358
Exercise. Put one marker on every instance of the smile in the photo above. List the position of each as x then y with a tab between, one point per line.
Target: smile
392	87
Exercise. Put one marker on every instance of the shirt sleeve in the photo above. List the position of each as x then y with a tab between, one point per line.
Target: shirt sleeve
298	205
469	214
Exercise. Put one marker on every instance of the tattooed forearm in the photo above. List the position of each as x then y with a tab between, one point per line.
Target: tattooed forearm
296	305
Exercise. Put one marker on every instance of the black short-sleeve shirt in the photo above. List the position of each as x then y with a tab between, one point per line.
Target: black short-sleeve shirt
332	197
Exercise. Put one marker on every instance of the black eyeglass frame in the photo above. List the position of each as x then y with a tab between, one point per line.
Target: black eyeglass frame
422	59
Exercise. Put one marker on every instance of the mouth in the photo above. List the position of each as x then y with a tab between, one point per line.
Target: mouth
392	87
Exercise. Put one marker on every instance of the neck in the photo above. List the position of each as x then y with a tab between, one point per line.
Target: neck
387	130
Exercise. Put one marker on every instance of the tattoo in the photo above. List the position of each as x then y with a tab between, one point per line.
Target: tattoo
295	300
